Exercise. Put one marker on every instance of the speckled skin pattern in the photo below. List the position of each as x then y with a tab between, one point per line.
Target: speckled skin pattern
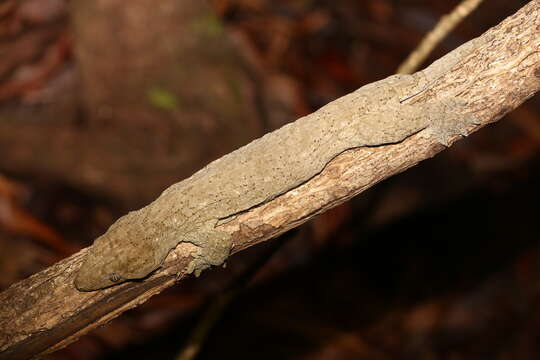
280	161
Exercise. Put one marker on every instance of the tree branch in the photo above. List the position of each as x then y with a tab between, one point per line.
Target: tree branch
446	24
45	312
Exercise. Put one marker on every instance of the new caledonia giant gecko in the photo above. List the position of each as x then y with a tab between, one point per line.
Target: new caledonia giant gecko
188	211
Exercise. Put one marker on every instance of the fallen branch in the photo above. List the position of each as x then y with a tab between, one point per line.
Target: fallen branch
45	312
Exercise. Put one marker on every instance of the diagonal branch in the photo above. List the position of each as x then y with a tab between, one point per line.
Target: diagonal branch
498	72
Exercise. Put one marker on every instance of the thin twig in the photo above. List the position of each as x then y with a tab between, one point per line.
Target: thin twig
434	37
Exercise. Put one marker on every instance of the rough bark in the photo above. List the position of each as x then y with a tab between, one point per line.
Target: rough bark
45	312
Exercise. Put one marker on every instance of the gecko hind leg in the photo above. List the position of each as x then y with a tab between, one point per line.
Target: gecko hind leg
447	122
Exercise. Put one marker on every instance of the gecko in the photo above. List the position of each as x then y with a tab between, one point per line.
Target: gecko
188	211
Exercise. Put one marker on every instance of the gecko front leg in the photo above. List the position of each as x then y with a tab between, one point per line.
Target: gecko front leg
213	248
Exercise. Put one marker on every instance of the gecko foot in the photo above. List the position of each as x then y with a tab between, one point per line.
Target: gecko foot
447	123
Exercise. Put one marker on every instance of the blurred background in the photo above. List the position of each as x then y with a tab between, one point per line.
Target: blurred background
103	104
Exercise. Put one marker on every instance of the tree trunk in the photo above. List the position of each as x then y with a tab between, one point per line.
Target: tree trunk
163	93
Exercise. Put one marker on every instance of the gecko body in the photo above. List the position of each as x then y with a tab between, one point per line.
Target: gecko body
282	160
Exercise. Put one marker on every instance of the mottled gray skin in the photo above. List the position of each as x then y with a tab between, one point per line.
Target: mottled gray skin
280	161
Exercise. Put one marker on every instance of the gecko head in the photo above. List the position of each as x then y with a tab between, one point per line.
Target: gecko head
114	259
98	273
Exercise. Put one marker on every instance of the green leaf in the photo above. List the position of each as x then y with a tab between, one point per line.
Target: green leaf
162	99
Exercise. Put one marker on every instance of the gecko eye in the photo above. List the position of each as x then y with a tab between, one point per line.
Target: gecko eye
115	278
